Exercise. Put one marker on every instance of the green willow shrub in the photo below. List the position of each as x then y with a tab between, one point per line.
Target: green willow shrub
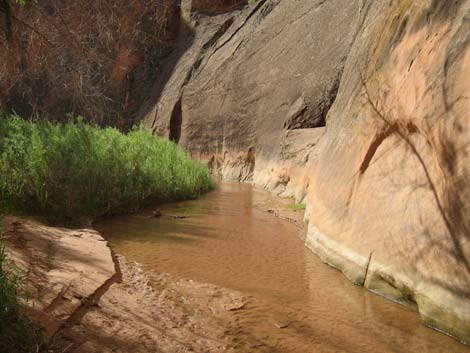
66	171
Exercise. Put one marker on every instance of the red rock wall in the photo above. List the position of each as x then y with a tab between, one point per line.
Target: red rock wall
387	196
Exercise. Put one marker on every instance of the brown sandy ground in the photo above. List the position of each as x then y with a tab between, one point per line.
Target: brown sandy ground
89	300
144	312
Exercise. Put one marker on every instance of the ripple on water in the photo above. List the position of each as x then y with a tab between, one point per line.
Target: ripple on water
296	303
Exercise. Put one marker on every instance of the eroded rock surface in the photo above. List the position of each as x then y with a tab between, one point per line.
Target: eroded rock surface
359	107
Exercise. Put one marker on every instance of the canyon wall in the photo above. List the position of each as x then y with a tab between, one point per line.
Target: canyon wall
399	138
248	84
360	109
388	198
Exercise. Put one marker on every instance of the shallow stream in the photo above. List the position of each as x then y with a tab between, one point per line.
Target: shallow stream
295	303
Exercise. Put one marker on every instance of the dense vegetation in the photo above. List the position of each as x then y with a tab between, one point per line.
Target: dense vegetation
67	171
73	170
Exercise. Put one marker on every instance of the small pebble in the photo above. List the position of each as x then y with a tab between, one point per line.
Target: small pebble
281	325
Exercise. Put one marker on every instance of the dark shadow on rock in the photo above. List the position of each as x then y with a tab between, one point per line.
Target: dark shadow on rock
439	11
176	120
184	41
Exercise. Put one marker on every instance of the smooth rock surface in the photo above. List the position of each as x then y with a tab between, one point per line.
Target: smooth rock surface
388	202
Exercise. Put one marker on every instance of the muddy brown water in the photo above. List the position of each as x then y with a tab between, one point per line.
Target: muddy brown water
295	303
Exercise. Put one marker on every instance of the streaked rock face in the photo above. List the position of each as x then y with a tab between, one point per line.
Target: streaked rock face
246	79
361	109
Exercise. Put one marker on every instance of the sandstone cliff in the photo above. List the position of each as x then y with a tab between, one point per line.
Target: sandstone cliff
361	109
